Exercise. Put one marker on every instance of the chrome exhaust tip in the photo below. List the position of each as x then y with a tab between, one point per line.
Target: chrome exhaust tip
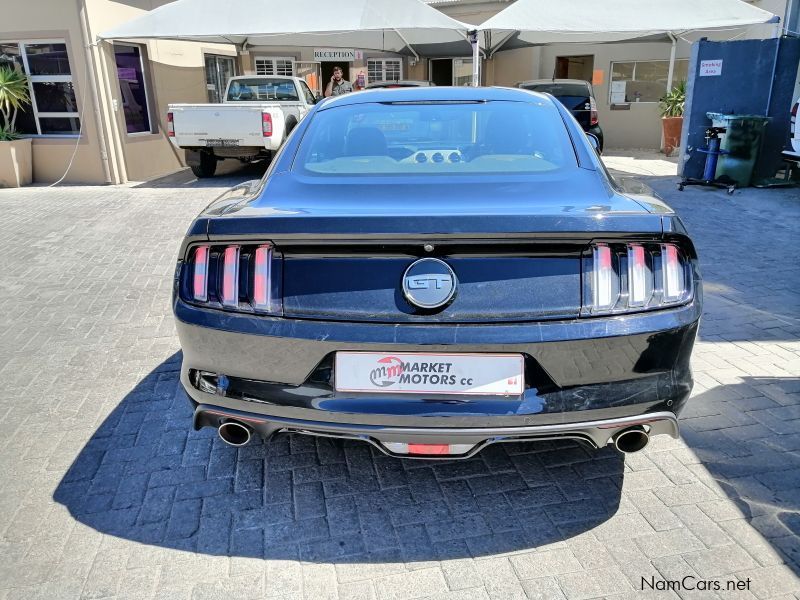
234	433
631	440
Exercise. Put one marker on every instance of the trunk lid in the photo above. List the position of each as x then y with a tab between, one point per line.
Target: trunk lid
515	246
543	206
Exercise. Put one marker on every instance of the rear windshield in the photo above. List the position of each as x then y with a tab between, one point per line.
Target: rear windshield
254	90
447	138
560	89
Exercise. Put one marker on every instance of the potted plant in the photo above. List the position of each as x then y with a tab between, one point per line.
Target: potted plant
16	165
671	105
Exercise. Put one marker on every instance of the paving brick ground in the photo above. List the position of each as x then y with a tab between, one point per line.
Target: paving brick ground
104	491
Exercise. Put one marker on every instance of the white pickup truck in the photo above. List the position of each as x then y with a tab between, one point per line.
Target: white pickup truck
254	119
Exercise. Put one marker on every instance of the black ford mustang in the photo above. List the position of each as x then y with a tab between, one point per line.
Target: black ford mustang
432	270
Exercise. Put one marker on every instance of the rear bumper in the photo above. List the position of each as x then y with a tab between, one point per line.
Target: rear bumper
585	378
461	442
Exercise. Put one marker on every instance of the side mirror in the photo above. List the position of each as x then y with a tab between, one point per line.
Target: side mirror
318	98
595	142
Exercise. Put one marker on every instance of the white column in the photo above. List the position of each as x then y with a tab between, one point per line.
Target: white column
671	71
476	58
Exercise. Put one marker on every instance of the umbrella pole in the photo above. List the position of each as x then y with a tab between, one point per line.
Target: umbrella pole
476	58
671	71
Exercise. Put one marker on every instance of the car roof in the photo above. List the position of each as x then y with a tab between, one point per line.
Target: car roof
435	94
556	81
409	82
239	77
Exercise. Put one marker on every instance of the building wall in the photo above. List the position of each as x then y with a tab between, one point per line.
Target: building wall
105	152
352	69
640	125
57	19
176	73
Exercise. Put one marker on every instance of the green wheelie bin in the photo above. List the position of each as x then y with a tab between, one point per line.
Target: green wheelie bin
742	141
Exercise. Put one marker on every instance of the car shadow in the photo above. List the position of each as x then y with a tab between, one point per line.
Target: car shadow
147	477
229	174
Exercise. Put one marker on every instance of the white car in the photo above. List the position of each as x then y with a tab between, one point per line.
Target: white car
254	119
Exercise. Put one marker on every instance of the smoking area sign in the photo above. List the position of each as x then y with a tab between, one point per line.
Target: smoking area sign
710	68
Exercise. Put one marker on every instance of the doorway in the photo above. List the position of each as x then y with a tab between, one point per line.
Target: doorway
574	67
441	71
327	73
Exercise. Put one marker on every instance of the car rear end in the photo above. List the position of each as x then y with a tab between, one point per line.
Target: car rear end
577	96
431	316
217	126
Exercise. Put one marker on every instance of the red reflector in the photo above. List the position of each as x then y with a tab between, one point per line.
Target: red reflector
674	283
626	424
637	275
230	277
429	449
170	124
604	293
262	297
200	281
266	124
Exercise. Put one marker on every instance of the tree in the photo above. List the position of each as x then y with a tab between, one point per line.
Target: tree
14	96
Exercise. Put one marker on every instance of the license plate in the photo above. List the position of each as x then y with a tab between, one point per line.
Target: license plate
430	373
222	143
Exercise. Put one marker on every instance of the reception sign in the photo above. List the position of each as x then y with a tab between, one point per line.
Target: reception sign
337	54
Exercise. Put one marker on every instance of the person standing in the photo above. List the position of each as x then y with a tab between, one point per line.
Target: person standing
338	85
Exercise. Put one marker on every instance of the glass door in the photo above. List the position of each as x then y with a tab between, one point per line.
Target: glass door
218	70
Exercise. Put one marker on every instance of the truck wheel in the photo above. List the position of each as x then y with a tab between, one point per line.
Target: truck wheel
290	125
206	167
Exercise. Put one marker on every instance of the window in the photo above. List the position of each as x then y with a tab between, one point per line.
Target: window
310	99
252	90
436	139
384	69
54	107
643	81
282	66
132	88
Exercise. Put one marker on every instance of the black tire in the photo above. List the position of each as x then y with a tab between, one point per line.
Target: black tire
290	125
207	166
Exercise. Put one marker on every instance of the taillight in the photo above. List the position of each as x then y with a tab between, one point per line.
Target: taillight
262	278
241	277
200	277
170	124
230	277
593	111
266	124
635	276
